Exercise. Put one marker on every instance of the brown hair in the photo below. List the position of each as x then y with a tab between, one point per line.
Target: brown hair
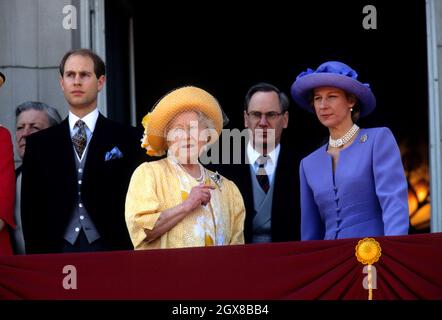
356	113
267	87
99	66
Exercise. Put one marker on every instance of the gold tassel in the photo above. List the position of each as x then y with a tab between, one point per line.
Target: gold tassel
370	284
368	251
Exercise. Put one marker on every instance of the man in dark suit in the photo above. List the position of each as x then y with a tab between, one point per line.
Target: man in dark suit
76	174
31	117
268	175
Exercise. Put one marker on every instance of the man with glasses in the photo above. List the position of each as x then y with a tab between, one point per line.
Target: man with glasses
268	176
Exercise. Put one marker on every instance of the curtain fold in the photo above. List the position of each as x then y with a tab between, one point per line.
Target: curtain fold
410	267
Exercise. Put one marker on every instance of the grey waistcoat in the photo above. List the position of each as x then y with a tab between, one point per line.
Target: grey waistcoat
262	202
79	218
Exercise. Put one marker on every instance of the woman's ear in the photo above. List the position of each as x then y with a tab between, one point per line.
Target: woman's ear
352	100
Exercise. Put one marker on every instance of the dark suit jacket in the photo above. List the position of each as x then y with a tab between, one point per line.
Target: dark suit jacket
49	184
286	210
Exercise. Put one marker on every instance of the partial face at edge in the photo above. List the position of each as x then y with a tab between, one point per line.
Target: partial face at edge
28	122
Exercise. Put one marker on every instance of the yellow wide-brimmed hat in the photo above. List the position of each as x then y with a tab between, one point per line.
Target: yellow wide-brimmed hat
2	79
183	99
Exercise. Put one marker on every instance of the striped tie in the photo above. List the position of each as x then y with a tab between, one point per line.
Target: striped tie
79	139
261	174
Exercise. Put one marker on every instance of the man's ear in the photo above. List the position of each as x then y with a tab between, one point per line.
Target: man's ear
101	81
245	119
61	81
285	118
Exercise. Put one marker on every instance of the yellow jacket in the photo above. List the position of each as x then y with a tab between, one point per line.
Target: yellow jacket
157	186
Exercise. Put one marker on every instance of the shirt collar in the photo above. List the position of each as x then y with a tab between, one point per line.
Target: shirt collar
90	119
253	155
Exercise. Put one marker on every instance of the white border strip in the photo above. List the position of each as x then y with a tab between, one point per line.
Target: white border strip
434	119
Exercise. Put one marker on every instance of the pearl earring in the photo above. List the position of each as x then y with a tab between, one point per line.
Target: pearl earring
351	109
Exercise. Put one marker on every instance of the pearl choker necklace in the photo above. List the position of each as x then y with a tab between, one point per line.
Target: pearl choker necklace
344	139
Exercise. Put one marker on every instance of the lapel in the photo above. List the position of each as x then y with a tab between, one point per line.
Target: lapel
287	171
279	174
97	145
246	184
66	152
244	180
285	208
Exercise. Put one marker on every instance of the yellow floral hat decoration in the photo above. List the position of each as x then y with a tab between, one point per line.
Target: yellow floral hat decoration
177	101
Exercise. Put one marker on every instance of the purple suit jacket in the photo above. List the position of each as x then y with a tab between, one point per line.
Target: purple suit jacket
366	195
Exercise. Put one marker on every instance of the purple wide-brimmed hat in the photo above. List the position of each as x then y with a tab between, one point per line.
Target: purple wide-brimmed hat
332	74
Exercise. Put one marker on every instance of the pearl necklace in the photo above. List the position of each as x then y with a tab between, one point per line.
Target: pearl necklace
202	176
202	170
338	143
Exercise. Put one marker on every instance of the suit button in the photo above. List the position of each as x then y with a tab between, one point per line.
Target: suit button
77	229
80	170
338	219
336	198
79	181
80	205
338	209
81	217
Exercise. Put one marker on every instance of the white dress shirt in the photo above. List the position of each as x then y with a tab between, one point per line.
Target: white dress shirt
90	120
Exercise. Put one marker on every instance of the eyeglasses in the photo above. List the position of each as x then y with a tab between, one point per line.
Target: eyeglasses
256	115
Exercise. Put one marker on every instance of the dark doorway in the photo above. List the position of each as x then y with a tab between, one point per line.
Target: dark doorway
225	49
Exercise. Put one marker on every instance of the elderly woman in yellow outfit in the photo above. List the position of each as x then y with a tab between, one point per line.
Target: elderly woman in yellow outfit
175	202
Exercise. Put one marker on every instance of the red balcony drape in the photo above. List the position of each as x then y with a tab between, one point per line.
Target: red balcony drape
410	268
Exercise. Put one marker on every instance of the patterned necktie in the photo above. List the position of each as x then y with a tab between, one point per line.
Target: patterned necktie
79	139
261	174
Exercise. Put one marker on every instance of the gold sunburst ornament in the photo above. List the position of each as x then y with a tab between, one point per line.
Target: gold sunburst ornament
368	251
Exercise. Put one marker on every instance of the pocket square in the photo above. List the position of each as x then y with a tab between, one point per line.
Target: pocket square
115	153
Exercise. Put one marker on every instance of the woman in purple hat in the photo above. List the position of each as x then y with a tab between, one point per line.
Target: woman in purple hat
353	186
